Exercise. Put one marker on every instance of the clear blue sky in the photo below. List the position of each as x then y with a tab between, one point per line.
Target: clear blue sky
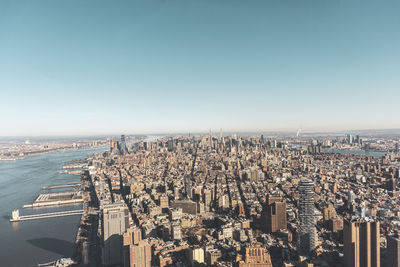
98	67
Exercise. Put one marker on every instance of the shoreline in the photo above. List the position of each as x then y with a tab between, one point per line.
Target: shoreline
73	224
50	152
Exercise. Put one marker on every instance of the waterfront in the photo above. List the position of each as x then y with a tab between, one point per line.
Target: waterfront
31	242
355	152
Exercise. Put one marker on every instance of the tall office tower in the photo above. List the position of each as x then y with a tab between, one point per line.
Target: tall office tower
240	209
140	254
274	144
393	251
210	139
132	236
361	243
223	201
115	221
122	145
111	145
170	144
176	193
188	186
116	147
350	198
275	217
307	235
207	199
391	184
253	175
350	138
165	187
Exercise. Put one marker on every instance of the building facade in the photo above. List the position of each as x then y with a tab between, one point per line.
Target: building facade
275	217
140	254
361	241
306	234
115	221
393	251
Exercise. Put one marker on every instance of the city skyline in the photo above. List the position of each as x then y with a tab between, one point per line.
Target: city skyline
236	200
290	132
180	66
200	133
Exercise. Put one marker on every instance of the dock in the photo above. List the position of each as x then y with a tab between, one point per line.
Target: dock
53	203
61	186
56	199
17	218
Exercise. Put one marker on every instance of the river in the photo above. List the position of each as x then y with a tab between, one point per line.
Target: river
355	152
28	243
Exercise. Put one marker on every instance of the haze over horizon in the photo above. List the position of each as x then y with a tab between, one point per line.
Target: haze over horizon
215	132
104	67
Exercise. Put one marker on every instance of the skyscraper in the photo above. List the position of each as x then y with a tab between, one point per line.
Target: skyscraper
111	145
122	145
188	186
361	240
210	139
170	145
350	197
132	236
350	138
307	235
207	198
393	251
391	184
140	254
115	221
275	214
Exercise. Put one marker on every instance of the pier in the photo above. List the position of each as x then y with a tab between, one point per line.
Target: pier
16	217
56	199
61	186
53	203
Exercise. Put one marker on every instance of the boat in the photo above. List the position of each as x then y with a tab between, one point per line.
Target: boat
63	262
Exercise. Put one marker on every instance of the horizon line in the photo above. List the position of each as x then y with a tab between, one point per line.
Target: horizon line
274	131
